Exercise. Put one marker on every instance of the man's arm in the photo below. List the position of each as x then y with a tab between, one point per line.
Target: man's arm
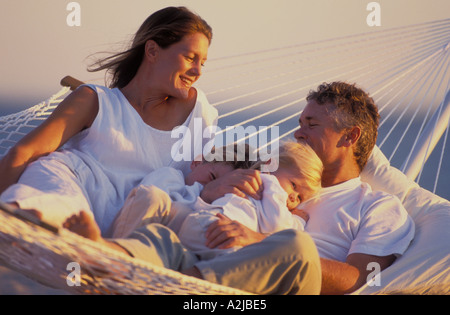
337	277
342	278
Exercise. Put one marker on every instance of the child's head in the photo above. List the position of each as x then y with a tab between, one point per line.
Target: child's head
299	172
220	162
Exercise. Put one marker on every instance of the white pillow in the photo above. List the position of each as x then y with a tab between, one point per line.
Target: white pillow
425	267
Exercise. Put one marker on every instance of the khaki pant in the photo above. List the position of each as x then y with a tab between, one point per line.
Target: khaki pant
145	205
286	262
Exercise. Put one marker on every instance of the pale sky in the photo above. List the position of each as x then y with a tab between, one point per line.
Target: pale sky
39	48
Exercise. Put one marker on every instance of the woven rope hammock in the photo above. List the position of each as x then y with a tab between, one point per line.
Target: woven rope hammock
404	69
45	256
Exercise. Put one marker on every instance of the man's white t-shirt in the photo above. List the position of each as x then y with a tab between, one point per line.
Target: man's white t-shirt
351	218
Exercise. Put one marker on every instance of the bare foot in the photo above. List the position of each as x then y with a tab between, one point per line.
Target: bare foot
84	225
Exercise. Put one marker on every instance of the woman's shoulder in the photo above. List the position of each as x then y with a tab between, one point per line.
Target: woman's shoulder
108	98
203	107
201	98
97	88
84	101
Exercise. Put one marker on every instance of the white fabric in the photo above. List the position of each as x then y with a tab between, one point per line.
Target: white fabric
108	160
425	267
161	197
173	183
268	215
350	218
164	142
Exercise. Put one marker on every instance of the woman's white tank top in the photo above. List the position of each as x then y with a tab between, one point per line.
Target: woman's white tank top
119	149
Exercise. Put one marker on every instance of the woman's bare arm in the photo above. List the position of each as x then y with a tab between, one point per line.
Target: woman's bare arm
75	113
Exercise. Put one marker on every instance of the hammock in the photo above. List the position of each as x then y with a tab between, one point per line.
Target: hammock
407	75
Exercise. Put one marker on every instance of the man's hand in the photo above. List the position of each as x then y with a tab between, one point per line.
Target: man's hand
239	182
225	233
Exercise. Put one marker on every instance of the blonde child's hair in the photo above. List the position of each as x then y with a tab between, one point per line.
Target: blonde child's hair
300	159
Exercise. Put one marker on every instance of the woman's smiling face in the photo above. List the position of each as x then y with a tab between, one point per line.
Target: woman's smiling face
181	64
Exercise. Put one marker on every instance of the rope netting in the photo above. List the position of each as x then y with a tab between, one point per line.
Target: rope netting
405	70
47	257
13	127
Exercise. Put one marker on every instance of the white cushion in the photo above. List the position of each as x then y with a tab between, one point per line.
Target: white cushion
425	267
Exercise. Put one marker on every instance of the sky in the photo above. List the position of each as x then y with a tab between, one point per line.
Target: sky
39	47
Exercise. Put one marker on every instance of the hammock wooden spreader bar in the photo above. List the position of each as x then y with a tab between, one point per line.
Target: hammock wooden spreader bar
71	82
47	256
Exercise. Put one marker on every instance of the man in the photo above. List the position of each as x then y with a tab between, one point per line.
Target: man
352	227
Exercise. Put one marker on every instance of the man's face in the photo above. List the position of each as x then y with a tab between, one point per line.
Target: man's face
317	129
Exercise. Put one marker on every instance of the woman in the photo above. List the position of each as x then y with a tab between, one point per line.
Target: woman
100	142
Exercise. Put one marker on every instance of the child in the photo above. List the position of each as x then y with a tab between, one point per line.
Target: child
165	196
297	179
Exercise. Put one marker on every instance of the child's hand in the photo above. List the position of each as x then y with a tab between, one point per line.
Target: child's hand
239	182
301	213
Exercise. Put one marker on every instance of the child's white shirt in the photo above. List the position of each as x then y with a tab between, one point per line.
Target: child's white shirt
268	215
172	182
